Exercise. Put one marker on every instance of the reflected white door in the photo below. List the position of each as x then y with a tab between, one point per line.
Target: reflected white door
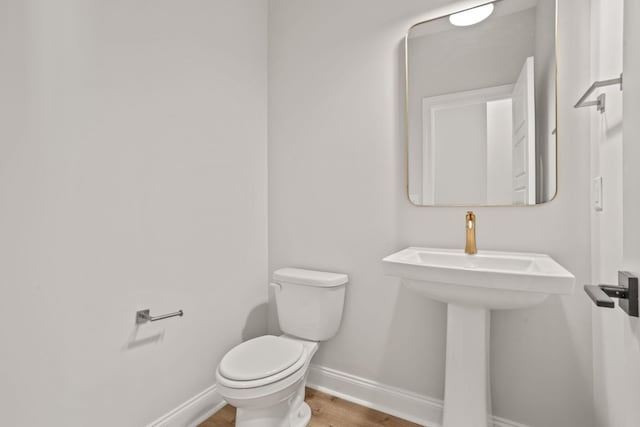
524	137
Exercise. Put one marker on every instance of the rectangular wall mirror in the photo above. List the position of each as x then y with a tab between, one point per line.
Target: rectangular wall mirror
481	106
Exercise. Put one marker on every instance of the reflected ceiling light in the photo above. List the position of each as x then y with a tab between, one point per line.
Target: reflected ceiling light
471	16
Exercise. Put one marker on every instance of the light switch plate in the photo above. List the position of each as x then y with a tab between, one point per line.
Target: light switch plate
597	194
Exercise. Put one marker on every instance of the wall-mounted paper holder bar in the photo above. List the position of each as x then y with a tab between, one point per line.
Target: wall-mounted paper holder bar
626	291
600	101
144	316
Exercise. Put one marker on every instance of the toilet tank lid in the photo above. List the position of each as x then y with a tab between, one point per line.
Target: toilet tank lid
300	276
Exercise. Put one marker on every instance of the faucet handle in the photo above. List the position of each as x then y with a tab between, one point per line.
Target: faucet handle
470	219
470	225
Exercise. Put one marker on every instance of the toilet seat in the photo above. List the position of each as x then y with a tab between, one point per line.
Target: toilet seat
261	361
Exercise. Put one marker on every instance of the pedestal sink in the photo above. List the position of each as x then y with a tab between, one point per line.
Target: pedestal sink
472	285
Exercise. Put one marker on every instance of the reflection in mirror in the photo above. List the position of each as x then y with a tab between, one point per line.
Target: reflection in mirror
481	105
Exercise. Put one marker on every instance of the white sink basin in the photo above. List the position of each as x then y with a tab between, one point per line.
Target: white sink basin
472	285
489	279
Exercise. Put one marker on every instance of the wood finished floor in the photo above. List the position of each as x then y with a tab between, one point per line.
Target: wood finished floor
327	411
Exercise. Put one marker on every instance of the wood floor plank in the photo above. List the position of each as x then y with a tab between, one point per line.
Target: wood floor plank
225	417
327	411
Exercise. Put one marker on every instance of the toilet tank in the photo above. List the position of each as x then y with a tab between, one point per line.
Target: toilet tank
309	303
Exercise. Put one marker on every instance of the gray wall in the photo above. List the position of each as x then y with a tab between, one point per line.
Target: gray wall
132	175
338	202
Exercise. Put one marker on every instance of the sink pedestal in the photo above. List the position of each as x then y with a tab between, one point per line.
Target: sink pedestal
467	398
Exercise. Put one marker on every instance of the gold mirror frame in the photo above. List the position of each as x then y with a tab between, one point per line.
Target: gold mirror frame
406	114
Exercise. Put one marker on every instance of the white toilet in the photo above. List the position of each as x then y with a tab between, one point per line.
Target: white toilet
264	378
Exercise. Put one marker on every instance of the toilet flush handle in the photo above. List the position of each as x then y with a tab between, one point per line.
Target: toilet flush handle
276	286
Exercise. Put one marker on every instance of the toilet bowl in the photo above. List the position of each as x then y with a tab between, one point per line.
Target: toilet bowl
265	377
277	392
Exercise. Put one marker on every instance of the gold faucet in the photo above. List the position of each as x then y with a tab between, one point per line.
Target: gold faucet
470	225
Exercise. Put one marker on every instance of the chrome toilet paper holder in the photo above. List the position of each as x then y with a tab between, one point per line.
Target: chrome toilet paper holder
144	316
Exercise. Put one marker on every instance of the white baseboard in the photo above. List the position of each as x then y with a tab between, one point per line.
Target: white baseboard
503	422
193	411
410	406
404	404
